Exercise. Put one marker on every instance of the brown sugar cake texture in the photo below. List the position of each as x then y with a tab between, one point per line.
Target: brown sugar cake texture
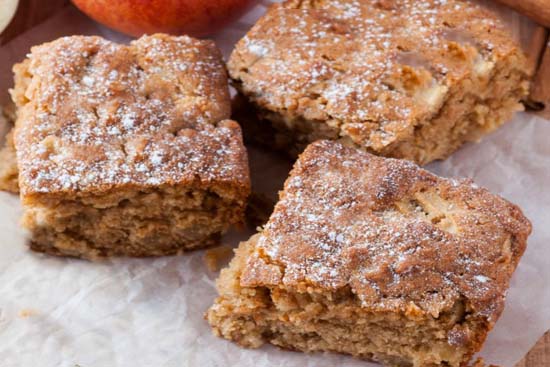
126	149
400	78
376	258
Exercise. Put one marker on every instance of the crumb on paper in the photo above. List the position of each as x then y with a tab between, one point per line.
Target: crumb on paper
481	363
215	258
26	313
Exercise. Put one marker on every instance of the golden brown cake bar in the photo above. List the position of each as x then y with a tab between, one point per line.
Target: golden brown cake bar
126	149
408	79
376	258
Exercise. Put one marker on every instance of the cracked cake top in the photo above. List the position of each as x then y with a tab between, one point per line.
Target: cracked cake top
399	237
95	115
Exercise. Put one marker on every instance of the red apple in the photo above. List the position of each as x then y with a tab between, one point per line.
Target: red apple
137	17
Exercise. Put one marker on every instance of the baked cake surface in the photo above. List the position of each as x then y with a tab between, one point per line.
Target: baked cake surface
374	257
401	78
125	149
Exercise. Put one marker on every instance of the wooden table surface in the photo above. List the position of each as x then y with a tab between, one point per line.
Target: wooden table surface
539	356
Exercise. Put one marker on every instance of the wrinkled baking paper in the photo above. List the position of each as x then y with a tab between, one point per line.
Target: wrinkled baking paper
149	312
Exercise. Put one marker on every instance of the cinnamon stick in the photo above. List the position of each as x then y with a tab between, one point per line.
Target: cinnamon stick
540	90
534	47
538	10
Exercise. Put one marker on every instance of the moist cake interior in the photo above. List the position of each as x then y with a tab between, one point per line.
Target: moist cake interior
315	321
158	221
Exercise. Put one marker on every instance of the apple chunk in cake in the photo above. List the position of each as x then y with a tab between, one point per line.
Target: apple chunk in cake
409	79
376	258
126	149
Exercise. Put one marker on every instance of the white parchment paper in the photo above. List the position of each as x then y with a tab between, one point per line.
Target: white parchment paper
149	312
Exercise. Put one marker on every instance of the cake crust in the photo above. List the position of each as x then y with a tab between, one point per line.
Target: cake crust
400	78
95	115
356	239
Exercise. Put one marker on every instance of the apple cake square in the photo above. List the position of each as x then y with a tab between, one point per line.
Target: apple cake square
373	257
127	149
399	78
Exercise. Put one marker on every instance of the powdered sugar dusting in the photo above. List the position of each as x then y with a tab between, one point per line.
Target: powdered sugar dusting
348	218
102	115
342	61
